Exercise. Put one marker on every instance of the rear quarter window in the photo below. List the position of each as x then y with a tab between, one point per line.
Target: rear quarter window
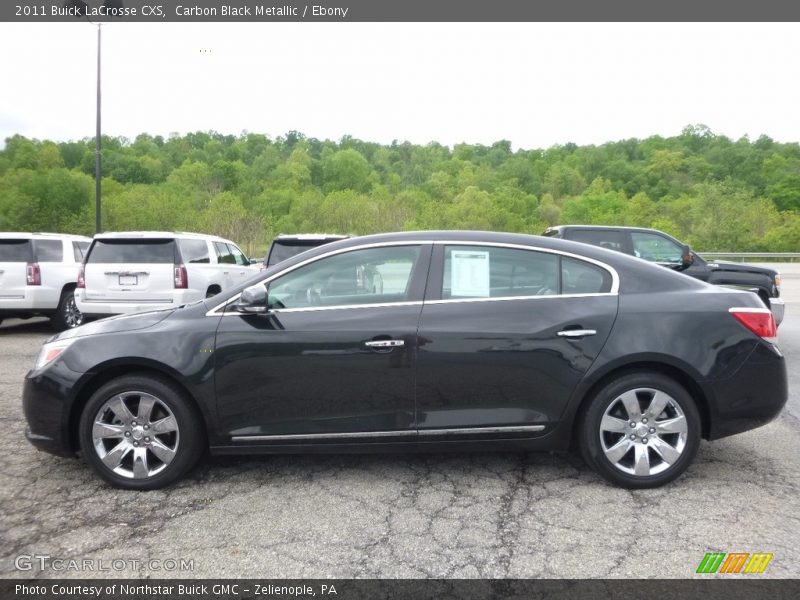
194	251
79	250
132	251
49	250
16	251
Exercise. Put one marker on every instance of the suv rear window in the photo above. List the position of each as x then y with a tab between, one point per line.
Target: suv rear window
16	251
280	251
132	251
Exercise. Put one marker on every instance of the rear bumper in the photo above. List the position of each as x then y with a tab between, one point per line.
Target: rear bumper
753	397
778	308
104	308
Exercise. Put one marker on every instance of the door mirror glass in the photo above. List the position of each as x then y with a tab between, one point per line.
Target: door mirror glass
253	299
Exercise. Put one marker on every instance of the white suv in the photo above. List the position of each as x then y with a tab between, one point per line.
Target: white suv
144	270
38	275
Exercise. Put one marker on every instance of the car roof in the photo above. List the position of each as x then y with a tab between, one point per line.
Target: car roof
36	235
158	235
599	227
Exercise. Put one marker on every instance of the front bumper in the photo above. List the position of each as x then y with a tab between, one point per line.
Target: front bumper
46	409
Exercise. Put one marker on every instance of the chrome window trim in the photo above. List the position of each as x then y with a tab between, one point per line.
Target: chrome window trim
381	434
218	310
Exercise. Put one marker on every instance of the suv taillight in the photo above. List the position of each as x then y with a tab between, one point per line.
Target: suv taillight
33	274
758	320
181	277
81	277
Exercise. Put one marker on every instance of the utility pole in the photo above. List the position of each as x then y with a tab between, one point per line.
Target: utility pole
97	147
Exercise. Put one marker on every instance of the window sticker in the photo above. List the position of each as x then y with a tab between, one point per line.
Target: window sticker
469	275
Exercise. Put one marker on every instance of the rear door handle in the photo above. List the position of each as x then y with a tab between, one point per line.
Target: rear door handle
385	343
576	333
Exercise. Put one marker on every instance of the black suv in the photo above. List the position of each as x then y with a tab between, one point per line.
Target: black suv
658	247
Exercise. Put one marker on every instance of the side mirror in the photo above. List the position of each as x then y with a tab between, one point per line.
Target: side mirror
687	258
253	299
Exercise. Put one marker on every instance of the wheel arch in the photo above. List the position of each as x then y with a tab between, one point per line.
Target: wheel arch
111	370
680	375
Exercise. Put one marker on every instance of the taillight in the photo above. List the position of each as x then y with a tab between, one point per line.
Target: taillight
181	277
81	277
33	274
758	320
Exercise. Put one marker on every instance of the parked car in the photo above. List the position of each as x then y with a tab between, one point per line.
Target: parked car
134	271
475	341
285	246
38	274
659	247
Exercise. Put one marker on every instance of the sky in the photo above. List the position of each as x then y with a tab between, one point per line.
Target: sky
534	84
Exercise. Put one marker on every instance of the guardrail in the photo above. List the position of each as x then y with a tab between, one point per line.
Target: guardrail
749	256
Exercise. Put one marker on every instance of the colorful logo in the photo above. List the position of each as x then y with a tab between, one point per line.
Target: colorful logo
734	562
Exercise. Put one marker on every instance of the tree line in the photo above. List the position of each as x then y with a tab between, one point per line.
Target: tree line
715	193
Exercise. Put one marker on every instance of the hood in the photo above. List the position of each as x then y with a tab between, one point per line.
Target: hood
116	324
741	267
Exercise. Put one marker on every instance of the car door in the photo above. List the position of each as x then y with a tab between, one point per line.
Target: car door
335	354
225	264
506	334
243	270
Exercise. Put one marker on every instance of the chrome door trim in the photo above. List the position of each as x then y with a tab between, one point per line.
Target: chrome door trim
324	436
383	434
474	430
218	309
385	343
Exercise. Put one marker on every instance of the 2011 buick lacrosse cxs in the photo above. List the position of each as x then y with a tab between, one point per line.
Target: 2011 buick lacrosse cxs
455	340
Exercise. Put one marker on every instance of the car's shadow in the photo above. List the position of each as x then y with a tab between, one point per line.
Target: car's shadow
32	325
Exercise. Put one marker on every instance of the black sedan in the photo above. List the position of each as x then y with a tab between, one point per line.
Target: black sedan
418	341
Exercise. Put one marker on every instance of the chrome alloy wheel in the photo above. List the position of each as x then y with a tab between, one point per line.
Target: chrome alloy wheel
72	316
643	432
135	435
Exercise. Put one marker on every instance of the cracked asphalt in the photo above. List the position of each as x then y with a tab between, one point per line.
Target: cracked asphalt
397	516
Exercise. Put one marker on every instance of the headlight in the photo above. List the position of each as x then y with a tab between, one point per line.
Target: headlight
50	352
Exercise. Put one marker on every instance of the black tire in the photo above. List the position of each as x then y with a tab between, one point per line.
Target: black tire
67	315
596	439
187	443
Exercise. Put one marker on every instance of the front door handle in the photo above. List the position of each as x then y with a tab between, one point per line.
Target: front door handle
576	333
385	343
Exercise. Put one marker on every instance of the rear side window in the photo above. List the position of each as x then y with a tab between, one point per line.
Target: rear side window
132	251
194	251
16	251
224	255
49	251
79	250
579	277
613	240
489	272
238	256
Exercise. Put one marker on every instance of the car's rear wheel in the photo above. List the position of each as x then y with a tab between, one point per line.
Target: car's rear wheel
67	314
141	432
641	430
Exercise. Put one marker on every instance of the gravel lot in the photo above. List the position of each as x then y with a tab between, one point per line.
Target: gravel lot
456	515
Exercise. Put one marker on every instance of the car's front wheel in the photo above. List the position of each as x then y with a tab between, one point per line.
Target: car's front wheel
641	430
141	432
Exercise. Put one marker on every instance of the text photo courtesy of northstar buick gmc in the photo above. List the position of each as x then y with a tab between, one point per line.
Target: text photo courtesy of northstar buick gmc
471	341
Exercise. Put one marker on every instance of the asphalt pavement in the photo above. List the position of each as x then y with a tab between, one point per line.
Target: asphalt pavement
436	515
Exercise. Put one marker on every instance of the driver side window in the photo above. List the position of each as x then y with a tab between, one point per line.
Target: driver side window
655	248
373	275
